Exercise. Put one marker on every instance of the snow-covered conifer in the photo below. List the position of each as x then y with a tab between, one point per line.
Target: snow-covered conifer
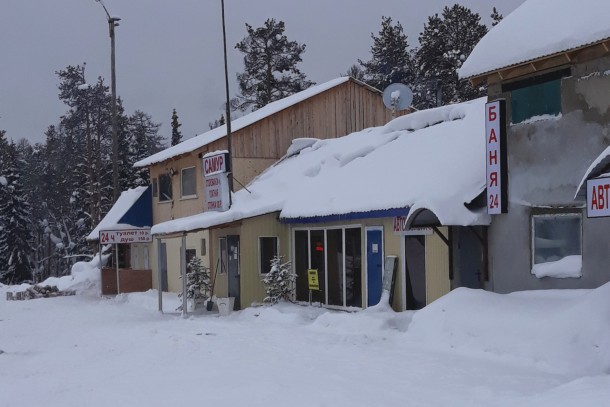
279	281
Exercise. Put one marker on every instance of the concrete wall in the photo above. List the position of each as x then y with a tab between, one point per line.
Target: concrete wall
547	160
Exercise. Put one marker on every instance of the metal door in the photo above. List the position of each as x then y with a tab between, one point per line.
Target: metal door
374	264
415	256
233	268
163	265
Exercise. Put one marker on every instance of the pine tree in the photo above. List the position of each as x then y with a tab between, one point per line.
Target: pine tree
144	140
198	284
176	135
279	282
356	72
391	61
270	66
445	44
496	17
217	122
15	237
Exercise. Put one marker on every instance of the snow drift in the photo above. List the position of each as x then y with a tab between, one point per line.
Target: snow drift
565	330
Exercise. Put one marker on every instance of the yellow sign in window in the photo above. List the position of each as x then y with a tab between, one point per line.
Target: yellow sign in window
312	275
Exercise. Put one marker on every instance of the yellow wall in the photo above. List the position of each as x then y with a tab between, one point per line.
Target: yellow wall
437	266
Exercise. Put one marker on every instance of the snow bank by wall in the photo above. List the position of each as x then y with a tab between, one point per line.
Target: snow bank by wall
567	331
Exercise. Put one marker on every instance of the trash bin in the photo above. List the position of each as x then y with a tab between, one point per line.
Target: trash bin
225	305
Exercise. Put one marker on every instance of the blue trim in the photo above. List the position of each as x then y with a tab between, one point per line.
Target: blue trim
384	213
140	213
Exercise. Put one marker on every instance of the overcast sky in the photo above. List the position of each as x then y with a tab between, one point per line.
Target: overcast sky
169	53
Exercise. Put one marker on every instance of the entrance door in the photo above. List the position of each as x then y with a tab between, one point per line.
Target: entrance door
163	265
415	263
233	268
468	256
374	264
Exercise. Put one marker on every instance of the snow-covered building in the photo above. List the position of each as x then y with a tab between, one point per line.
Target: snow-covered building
332	109
406	195
550	61
124	234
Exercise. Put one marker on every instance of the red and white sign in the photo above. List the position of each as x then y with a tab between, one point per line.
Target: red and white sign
215	164
216	189
400	227
597	197
125	236
496	161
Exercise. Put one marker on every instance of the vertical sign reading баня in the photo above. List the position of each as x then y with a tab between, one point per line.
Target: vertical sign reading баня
496	157
216	182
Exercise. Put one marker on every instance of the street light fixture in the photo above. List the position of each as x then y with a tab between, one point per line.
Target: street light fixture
113	21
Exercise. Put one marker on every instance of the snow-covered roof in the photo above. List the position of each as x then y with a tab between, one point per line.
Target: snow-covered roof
201	140
431	159
117	214
597	167
536	29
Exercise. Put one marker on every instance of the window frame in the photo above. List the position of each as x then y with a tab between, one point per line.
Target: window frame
538	80
552	214
190	196
260	254
171	188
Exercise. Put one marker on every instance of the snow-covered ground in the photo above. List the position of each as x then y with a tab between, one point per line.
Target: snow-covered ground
470	348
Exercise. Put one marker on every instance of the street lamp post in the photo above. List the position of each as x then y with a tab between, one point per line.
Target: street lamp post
113	22
228	102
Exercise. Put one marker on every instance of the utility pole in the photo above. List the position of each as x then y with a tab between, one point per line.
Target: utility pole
227	104
112	23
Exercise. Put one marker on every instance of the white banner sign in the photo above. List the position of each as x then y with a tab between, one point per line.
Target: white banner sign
216	192
597	197
215	164
125	236
495	136
400	228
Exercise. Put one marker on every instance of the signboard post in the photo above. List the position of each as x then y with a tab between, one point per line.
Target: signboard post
597	197
216	181
496	157
122	236
314	283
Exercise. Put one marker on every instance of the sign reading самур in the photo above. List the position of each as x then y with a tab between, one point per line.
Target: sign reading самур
215	163
597	197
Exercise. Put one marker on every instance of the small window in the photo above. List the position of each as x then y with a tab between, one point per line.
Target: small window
188	182
155	188
223	255
537	96
555	237
204	249
268	249
190	255
165	188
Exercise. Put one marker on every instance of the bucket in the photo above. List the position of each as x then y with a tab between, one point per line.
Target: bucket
225	305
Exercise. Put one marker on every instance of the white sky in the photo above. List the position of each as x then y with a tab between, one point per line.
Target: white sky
169	53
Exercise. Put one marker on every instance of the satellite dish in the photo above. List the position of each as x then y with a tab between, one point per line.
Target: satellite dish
397	96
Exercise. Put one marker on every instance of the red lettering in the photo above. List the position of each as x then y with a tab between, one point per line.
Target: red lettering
493	157
492	114
594	199
601	202
493	179
492	137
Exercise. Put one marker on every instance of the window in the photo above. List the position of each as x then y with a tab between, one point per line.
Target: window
190	255
155	188
165	188
188	183
537	96
223	255
204	249
555	237
336	254
267	249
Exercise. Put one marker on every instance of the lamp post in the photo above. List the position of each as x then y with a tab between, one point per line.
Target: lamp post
113	22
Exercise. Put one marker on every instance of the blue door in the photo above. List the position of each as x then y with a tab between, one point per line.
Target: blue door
374	264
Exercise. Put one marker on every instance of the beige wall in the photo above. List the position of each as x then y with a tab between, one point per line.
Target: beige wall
437	266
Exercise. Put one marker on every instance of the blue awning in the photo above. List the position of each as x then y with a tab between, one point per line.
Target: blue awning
385	213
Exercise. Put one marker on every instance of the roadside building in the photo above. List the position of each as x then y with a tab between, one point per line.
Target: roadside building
550	61
402	200
332	109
